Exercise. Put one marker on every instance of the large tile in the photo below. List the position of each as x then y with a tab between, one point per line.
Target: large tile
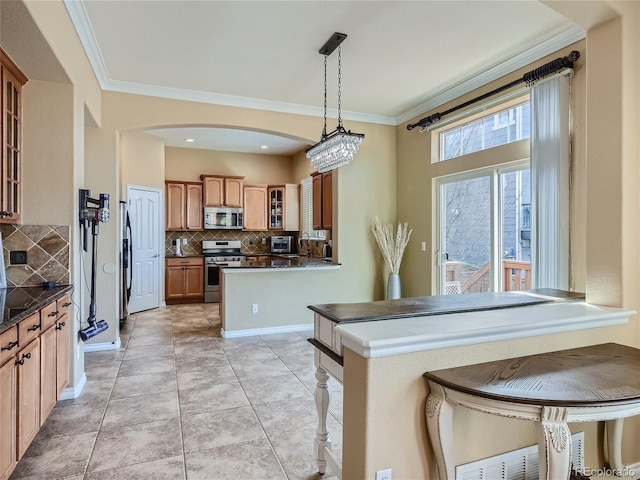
148	351
73	420
241	461
141	409
143	442
94	392
109	356
281	338
56	457
149	383
143	366
260	368
102	371
223	427
194	401
289	415
138	339
171	468
273	389
200	377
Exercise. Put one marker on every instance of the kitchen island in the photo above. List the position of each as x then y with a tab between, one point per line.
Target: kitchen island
379	351
270	294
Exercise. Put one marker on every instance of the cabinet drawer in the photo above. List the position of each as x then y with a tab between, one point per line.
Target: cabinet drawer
8	343
49	315
29	328
185	262
64	303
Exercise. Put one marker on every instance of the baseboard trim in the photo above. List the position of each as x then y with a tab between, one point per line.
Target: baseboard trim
250	332
70	393
634	470
101	347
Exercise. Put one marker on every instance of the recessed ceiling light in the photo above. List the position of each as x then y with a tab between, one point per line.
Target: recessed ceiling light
189	140
264	147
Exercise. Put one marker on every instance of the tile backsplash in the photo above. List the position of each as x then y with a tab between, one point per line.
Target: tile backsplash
251	241
47	254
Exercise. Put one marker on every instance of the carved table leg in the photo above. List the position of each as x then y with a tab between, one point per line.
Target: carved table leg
614	443
322	439
439	415
554	444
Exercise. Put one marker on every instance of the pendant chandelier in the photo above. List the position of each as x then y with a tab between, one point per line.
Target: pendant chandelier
338	147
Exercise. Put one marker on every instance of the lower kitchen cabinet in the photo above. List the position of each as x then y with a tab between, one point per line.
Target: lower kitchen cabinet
34	369
28	422
8	388
184	280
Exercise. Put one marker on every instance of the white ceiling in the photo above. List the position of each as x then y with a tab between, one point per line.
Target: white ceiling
400	58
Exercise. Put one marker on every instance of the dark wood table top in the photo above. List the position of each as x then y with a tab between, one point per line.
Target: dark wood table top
586	376
439	305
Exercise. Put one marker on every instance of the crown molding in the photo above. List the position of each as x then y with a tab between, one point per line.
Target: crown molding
555	42
80	21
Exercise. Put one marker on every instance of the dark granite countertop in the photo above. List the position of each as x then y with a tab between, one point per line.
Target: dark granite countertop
284	261
19	302
439	304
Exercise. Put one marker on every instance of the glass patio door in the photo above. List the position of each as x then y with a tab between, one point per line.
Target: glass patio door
483	231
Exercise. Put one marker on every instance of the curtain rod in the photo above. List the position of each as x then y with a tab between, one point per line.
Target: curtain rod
528	78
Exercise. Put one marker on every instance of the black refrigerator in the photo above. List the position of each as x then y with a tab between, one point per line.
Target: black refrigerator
125	262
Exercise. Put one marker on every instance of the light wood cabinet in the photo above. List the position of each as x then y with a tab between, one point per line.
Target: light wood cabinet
183	205
12	79
48	372
322	200
8	394
222	190
184	280
284	207
255	207
34	369
28	395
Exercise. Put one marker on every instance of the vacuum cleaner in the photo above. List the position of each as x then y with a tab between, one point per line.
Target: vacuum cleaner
92	212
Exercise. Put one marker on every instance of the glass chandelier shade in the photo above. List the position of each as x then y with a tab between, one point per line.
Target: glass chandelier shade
338	147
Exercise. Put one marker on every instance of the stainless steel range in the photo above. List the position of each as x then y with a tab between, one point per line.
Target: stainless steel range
218	253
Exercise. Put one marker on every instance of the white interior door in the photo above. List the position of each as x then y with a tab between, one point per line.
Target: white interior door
144	211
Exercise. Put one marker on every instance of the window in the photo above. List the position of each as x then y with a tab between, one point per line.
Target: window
307	211
500	128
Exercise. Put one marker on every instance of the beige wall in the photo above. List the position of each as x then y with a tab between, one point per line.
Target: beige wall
189	163
142	161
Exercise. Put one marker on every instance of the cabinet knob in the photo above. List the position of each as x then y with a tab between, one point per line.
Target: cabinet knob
4	213
34	328
53	314
10	346
66	304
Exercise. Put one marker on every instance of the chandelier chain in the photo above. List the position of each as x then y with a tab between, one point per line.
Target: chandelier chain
324	130
339	85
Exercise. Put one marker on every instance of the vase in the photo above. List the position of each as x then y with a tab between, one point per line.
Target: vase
394	290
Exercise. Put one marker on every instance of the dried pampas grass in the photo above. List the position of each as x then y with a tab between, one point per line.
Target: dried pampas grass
392	246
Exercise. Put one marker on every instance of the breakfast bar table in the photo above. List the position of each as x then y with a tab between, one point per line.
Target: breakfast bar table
594	383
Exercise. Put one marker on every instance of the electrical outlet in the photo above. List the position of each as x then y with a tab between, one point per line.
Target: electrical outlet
424	246
383	474
264	240
254	308
184	241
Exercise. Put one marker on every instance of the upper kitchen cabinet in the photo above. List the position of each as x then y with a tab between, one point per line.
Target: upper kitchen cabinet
12	80
322	200
222	190
255	207
284	207
184	205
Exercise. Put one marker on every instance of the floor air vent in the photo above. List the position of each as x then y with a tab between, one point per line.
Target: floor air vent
516	465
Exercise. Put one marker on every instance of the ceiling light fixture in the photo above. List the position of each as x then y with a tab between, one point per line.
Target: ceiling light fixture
189	140
338	147
264	147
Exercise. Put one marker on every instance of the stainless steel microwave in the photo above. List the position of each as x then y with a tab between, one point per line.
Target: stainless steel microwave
222	218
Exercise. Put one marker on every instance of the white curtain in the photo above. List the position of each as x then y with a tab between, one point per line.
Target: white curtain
550	163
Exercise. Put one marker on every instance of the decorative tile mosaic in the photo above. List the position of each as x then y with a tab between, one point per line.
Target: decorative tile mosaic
47	248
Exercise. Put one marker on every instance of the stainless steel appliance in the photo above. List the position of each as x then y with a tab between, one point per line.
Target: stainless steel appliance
281	244
222	218
218	253
126	253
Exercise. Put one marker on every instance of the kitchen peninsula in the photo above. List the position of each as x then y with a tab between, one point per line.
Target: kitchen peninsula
380	351
270	294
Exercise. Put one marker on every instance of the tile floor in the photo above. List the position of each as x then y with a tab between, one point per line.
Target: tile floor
179	402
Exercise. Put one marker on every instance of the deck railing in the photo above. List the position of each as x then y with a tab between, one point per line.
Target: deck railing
516	276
